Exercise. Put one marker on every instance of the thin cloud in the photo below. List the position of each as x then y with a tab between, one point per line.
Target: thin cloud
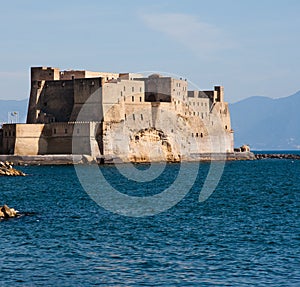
202	38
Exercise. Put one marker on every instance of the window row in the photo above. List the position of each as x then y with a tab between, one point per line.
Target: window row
9	133
132	89
197	135
133	117
198	104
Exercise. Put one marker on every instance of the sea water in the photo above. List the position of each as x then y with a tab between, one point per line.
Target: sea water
247	233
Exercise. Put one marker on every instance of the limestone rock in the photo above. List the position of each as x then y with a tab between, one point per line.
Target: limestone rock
6	169
6	212
86	159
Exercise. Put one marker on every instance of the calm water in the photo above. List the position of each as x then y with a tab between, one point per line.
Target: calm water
246	234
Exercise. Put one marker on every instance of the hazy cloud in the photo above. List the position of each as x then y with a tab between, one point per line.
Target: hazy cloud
202	38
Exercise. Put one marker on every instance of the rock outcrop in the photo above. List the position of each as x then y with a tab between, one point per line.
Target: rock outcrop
6	169
278	156
6	212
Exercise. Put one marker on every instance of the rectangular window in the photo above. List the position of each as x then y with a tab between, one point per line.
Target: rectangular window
54	131
133	116
140	99
142	118
132	89
66	131
132	98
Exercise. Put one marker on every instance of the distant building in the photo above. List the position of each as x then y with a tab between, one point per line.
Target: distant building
119	115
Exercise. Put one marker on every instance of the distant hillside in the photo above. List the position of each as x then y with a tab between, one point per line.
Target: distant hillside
7	106
266	123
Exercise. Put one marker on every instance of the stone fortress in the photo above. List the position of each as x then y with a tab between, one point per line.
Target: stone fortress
119	116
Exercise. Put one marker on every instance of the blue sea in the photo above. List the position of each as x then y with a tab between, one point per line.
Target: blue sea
246	233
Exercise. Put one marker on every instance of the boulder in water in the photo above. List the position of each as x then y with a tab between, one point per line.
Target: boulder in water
6	212
6	169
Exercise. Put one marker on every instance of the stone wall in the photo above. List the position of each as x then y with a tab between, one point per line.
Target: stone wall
23	139
88	92
164	89
1	141
156	132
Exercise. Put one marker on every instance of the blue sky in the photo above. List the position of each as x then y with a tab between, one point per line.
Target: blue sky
250	47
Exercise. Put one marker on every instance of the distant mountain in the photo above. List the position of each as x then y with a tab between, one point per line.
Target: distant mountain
267	124
8	106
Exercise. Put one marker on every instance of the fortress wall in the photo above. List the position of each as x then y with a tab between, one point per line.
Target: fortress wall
72	74
8	138
134	140
157	88
87	92
119	93
44	73
219	94
1	141
71	138
60	145
59	138
57	99
130	76
223	111
35	92
82	74
29	140
164	89
105	75
179	89
199	106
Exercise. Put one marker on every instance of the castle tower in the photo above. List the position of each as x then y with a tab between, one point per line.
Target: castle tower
38	77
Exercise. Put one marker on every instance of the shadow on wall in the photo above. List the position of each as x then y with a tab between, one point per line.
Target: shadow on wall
55	102
57	138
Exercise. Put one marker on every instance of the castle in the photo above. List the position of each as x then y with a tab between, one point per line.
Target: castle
121	116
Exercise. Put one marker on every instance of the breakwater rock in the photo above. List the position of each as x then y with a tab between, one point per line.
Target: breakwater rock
6	169
277	156
6	212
